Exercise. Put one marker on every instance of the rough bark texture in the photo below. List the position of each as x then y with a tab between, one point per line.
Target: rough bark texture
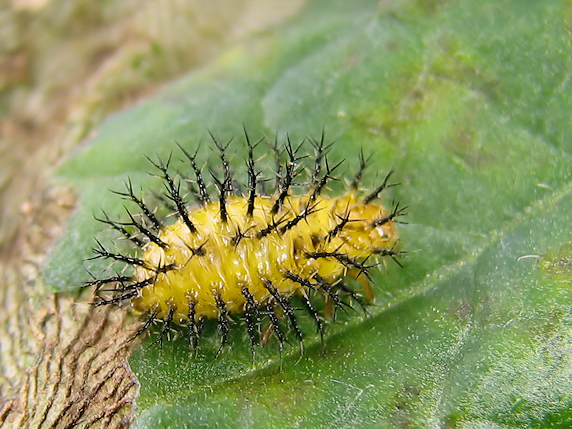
64	362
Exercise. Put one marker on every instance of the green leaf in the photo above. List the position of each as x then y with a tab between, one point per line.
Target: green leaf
470	102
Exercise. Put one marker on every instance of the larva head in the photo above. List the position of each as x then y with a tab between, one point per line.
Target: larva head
370	226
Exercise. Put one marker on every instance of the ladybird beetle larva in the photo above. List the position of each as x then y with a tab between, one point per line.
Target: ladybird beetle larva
243	257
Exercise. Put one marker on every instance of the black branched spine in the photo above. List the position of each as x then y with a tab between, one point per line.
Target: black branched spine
251	317
363	164
202	195
224	186
166	325
119	227
130	195
146	232
307	211
384	185
275	325
288	179
252	177
102	253
174	193
391	217
194	331
223	319
286	307
145	326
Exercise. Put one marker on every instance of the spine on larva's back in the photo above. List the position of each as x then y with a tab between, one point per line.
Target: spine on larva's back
250	256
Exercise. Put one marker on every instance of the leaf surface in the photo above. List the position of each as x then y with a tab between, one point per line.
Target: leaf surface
469	102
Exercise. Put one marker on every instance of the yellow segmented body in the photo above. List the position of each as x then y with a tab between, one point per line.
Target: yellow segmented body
234	255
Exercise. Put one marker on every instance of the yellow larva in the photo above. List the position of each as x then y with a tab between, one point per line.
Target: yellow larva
249	256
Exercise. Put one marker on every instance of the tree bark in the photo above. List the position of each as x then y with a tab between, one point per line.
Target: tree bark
63	361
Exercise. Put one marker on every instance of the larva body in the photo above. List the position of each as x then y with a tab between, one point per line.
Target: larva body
251	255
243	253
